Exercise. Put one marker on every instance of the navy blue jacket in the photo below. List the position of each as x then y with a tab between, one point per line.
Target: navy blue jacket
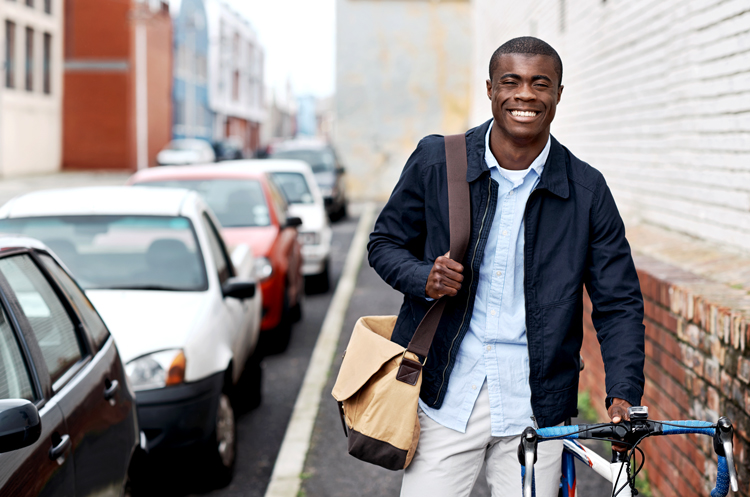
574	236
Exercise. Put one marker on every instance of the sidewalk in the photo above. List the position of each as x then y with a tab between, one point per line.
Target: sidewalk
13	187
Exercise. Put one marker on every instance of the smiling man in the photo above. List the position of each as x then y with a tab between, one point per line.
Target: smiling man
506	354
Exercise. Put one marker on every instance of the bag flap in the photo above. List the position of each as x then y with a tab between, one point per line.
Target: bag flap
367	351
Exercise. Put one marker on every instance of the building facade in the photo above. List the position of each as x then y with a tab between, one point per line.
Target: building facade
193	117
235	76
402	72
117	111
32	87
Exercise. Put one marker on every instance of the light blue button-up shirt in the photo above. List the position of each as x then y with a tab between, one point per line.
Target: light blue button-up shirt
494	348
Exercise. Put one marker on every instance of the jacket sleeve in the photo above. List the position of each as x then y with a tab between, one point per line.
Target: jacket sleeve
397	243
612	284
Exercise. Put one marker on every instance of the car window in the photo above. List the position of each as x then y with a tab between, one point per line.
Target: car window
218	250
320	160
236	202
15	382
60	344
89	316
279	202
294	187
121	252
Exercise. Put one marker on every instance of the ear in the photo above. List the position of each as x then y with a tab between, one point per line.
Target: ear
489	90
559	93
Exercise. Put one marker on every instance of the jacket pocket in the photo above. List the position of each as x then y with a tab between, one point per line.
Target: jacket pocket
561	345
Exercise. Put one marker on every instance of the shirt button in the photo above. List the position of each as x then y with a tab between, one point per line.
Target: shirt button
473	387
505	232
492	312
510	192
489	347
499	273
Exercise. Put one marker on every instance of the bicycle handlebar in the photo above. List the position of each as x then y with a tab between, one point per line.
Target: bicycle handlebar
631	432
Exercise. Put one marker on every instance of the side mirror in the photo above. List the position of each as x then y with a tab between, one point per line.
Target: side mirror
238	288
340	170
20	425
293	222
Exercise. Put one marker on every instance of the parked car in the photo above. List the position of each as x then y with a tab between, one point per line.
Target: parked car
228	149
68	424
296	181
252	211
186	317
329	173
186	151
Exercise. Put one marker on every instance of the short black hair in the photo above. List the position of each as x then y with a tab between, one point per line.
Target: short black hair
527	45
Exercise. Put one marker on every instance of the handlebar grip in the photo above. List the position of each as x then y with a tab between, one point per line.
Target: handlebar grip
569	432
689	426
722	479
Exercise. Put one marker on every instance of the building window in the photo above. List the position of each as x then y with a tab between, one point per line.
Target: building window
29	59
30	3
47	6
10	51
236	86
47	61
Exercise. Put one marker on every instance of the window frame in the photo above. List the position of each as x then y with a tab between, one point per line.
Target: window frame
11	28
18	317
211	229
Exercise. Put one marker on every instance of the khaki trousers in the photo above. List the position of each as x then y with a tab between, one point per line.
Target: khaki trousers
447	463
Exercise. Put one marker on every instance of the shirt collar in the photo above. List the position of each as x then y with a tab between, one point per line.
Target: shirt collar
537	165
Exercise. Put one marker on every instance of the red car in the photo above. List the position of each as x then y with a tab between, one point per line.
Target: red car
252	211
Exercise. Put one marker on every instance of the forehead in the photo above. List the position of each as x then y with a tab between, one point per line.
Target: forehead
526	65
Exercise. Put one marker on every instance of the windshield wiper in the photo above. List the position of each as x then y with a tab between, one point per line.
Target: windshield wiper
141	287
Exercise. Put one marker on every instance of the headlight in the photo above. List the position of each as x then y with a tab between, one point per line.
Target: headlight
309	238
263	268
157	370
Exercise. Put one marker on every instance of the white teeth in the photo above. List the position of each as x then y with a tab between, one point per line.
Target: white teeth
523	113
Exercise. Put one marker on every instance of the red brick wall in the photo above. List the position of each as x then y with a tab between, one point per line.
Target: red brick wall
695	340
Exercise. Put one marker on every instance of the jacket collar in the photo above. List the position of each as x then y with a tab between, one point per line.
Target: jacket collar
554	176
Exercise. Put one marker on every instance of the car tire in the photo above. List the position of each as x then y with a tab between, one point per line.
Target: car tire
343	212
222	445
296	311
282	334
319	283
248	393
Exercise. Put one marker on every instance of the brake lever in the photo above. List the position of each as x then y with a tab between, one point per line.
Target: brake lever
723	446
527	458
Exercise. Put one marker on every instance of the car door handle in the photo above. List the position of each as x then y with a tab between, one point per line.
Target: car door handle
59	450
110	389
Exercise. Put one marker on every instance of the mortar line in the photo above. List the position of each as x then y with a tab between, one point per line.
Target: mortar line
290	462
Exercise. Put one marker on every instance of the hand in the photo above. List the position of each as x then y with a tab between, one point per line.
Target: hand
445	278
618	411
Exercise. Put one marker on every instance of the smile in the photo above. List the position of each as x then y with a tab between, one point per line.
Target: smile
524	113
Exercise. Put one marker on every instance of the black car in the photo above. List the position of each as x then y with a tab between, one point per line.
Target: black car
68	422
329	173
228	149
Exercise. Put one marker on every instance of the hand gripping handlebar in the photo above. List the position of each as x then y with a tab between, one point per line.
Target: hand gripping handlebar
630	433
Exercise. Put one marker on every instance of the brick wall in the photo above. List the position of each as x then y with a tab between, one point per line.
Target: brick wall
697	367
657	97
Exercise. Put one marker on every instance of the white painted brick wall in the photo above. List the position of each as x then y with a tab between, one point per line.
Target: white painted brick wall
657	97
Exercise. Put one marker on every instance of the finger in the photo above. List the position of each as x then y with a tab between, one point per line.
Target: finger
444	261
449	274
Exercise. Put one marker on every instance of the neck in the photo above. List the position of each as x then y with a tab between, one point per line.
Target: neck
515	154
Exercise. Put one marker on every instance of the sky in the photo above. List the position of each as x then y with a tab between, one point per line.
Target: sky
299	39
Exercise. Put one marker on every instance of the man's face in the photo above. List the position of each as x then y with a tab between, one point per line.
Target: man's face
524	91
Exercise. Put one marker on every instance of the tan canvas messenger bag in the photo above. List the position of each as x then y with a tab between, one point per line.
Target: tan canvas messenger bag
378	385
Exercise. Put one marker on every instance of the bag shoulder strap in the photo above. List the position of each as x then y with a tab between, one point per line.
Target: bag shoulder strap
459	210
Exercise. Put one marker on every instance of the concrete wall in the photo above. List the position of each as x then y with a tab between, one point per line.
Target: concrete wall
30	126
402	72
657	96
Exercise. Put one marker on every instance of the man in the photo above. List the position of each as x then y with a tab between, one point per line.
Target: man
506	354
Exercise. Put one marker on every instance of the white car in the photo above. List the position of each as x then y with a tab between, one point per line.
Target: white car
185	316
186	151
297	182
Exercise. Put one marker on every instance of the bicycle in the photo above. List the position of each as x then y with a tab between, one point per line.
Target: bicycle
630	434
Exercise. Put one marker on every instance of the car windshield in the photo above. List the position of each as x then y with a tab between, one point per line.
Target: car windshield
294	186
320	160
236	202
191	145
121	252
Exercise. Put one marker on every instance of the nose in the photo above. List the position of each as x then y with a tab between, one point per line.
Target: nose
525	93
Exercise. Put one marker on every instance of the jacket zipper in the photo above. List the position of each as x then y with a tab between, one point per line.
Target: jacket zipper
471	282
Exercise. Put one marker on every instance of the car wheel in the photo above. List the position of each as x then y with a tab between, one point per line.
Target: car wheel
296	311
281	335
248	393
343	211
223	446
318	283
